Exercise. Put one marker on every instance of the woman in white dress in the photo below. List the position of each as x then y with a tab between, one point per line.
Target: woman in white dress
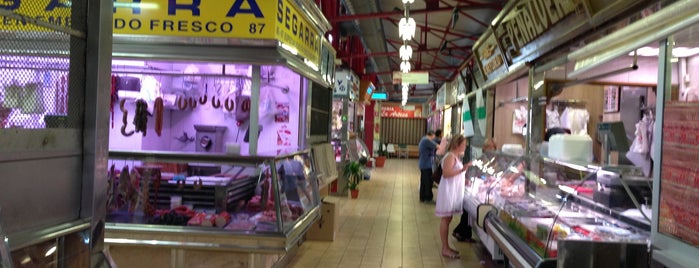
450	194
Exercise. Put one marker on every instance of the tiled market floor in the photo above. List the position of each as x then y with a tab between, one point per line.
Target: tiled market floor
387	226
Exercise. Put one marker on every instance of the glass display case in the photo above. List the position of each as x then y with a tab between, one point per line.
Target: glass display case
209	202
538	210
354	149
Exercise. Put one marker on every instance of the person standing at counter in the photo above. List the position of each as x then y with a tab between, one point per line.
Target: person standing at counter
426	149
450	193
463	231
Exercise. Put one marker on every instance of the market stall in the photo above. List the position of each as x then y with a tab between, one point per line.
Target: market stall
209	134
583	198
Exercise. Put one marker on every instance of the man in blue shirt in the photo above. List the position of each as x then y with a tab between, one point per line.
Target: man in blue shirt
426	151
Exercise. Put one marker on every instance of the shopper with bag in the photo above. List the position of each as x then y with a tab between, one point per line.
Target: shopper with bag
463	231
450	193
426	149
441	149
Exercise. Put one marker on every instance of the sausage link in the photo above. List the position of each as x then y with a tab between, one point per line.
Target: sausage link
181	103
230	105
215	103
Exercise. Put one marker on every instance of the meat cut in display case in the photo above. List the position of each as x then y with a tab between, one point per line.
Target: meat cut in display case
531	219
224	202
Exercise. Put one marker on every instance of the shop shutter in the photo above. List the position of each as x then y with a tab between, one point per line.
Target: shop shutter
402	130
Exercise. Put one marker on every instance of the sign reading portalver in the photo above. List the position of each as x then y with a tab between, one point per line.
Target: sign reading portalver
528	20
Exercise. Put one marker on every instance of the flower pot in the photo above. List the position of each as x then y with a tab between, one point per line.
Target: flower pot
354	194
380	161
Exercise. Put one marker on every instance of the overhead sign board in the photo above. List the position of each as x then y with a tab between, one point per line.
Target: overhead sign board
244	19
413	78
346	83
529	19
408	111
489	57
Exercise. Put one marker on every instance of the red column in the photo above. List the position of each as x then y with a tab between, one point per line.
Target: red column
369	126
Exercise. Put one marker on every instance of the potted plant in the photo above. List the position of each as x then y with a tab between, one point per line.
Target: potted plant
354	174
381	159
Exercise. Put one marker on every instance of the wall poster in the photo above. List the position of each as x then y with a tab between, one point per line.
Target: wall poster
611	99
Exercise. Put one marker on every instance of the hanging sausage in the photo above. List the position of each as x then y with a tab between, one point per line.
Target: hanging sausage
229	104
124	119
140	119
158	116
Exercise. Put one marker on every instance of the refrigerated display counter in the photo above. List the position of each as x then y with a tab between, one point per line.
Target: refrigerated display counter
529	220
170	209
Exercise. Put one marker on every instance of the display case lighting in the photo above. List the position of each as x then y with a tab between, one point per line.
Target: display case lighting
130	63
291	49
678	52
50	251
311	64
538	84
136	5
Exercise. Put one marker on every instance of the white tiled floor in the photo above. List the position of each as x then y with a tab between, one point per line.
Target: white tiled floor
387	226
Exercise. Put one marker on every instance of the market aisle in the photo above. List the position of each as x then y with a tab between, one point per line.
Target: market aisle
387	227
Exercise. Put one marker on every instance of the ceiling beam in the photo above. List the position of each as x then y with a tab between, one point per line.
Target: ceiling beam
466	13
412	12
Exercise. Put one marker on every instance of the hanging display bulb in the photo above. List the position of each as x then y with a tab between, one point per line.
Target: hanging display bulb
406	52
408	1
405	66
406	28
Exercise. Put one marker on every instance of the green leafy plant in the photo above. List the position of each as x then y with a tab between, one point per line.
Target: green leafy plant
354	174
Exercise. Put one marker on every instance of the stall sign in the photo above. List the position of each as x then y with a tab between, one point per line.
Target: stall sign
441	97
196	18
409	111
247	19
346	83
489	57
294	30
327	62
413	78
51	11
460	87
526	21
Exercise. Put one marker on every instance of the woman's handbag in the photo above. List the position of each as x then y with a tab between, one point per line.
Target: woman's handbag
437	174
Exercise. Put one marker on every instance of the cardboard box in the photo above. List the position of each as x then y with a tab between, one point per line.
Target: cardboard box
324	229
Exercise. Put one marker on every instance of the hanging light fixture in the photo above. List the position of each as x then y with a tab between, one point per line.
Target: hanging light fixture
406	28
406	52
405	66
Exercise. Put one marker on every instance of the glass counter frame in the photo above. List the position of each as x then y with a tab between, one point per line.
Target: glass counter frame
283	229
488	218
